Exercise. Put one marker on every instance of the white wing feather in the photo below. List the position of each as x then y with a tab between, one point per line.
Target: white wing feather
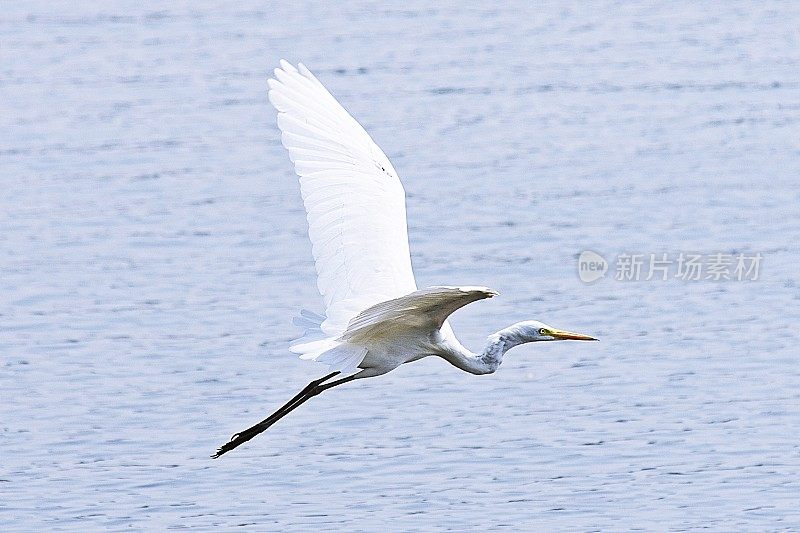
354	200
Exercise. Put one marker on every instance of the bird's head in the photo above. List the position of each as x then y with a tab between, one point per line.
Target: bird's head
533	331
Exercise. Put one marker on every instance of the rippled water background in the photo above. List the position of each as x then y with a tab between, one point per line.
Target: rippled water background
153	251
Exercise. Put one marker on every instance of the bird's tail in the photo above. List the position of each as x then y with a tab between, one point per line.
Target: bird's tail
315	345
308	320
311	323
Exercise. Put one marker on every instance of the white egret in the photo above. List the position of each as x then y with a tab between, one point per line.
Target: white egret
375	318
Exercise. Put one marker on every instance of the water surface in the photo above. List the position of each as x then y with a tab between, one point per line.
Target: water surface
153	252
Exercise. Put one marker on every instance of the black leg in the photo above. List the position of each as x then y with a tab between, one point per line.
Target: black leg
311	390
249	433
288	406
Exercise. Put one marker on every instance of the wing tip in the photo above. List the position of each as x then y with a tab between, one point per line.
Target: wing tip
489	293
286	66
289	68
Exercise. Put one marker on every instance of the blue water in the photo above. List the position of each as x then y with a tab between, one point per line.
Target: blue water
153	252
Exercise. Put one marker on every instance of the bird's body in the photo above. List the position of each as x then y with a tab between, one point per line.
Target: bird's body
375	317
398	331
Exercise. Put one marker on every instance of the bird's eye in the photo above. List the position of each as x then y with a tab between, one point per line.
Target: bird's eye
542	331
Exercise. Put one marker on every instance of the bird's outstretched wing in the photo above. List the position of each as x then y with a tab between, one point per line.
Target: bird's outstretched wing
353	198
425	308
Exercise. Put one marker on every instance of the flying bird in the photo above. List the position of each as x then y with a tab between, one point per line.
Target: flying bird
375	317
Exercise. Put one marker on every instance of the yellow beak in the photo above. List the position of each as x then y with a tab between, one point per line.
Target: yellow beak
568	335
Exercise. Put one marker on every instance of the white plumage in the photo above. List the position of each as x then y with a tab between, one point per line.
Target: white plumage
375	318
356	212
354	200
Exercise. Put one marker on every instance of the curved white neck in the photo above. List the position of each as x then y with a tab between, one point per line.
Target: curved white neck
487	361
